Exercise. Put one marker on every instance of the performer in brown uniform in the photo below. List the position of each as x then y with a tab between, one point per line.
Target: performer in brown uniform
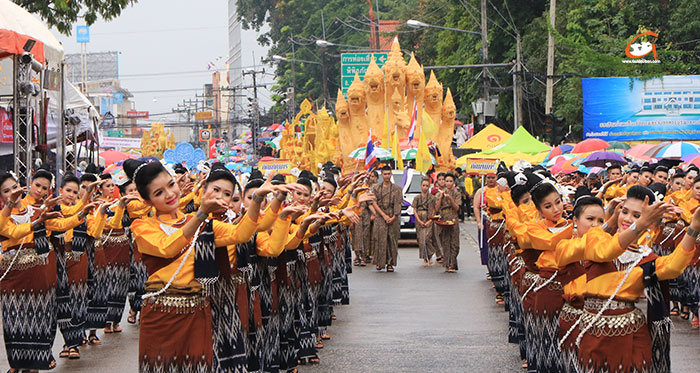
423	209
387	225
447	207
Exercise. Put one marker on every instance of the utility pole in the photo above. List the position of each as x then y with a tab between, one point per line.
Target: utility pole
517	85
324	72
255	106
550	59
294	81
485	57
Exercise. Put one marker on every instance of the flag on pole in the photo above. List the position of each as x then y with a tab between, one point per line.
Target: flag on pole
414	120
470	130
396	151
423	161
386	139
370	154
428	126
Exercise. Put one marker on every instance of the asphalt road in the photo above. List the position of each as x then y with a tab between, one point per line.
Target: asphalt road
417	319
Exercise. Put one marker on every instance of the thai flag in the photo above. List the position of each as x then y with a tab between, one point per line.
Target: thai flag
414	121
470	130
370	154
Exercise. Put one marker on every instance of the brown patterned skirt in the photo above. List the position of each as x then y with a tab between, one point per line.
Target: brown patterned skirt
176	334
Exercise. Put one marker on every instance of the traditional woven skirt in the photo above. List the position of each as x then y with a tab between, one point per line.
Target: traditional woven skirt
77	269
516	328
28	307
176	334
568	317
528	302
137	279
547	305
669	237
117	249
307	303
495	231
63	301
229	347
692	291
618	341
325	295
288	310
97	287
483	241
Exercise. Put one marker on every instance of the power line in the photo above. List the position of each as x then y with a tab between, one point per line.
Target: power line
160	30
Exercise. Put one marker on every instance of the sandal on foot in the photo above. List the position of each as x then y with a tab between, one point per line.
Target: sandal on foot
695	323
325	336
94	341
685	315
116	329
108	330
674	311
319	345
74	353
379	268
334	317
314	360
132	318
64	353
356	262
389	269
363	263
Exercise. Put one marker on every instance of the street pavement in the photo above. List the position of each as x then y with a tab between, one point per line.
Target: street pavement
417	319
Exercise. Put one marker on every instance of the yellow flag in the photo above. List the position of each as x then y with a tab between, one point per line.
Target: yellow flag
386	139
423	161
429	126
396	151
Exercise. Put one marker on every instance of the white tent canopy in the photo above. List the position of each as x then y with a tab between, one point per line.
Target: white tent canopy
17	25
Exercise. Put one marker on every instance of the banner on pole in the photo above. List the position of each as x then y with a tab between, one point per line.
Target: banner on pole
120	142
482	166
281	166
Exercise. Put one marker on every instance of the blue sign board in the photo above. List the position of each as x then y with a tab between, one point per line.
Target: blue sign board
82	34
666	108
118	98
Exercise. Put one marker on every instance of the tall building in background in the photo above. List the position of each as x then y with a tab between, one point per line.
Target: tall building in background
246	54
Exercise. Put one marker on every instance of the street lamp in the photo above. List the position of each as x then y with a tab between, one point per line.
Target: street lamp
418	24
277	57
325	44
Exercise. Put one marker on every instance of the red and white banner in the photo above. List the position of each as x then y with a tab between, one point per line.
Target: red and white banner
6	126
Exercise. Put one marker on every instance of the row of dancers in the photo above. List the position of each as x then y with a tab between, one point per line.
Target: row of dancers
219	276
572	267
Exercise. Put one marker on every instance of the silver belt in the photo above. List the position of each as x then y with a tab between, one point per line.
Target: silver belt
596	304
238	279
569	313
310	254
612	325
26	259
185	303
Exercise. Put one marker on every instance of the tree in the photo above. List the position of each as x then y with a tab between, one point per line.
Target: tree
62	14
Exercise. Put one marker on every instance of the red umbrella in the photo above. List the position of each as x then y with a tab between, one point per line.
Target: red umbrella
695	161
590	145
275	127
637	151
111	156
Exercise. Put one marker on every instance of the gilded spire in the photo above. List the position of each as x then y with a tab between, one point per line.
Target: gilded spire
433	82
449	102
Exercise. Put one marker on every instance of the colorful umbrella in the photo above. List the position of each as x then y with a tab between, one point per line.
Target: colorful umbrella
569	165
676	150
694	160
359	153
590	145
411	154
604	159
559	159
559	150
111	156
618	145
275	127
637	152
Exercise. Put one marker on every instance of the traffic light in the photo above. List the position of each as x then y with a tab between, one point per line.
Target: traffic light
558	134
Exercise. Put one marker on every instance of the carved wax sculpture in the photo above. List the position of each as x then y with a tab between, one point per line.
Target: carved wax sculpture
374	91
342	112
358	113
394	74
321	143
415	85
433	102
402	121
446	130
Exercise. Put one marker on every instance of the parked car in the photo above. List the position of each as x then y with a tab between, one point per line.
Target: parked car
410	184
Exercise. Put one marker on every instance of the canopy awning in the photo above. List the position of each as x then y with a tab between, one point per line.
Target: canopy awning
17	26
487	139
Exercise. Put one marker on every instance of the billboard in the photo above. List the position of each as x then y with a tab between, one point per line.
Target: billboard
666	108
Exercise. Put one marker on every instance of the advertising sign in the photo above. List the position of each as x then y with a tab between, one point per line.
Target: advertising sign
6	127
133	114
482	166
281	166
120	142
666	108
203	115
350	63
204	134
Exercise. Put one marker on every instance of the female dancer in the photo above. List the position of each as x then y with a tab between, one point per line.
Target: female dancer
423	208
176	273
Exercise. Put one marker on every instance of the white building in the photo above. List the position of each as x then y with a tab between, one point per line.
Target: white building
246	54
678	95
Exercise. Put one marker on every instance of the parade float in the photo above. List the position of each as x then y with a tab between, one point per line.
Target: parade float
156	141
388	101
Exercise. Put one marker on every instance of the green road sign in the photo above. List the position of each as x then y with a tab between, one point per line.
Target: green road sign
115	133
357	62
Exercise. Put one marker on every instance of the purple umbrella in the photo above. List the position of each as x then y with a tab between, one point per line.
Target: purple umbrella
604	160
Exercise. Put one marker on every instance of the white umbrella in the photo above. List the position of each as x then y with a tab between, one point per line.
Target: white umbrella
381	153
17	26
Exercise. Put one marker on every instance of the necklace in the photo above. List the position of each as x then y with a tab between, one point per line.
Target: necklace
184	219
